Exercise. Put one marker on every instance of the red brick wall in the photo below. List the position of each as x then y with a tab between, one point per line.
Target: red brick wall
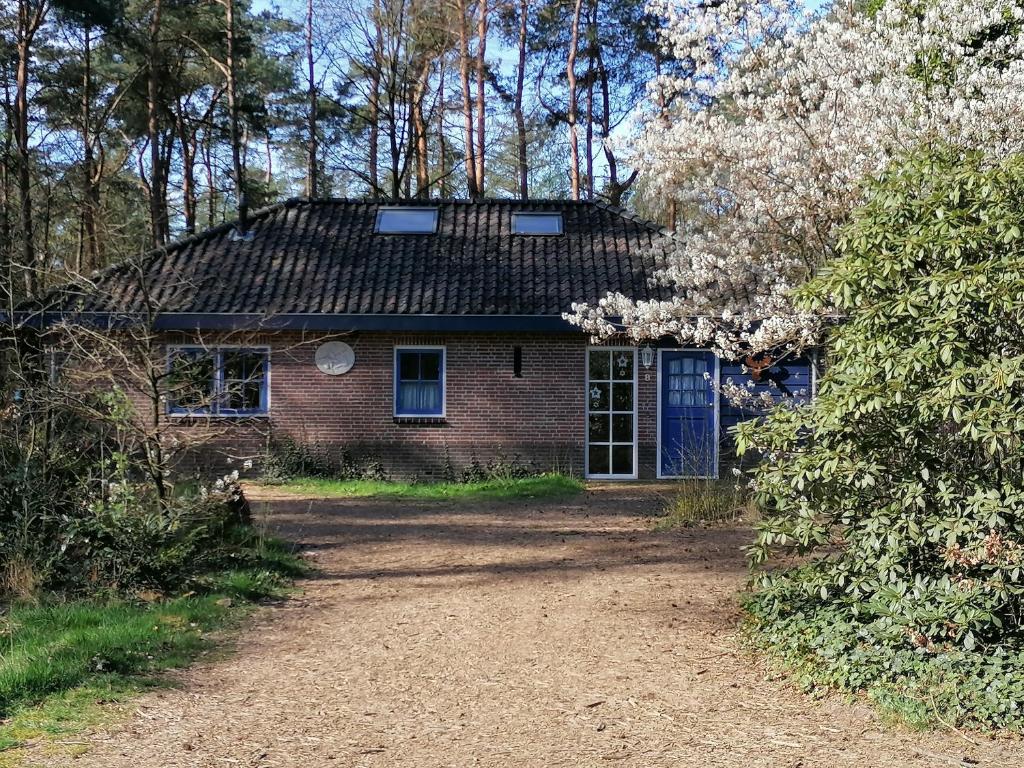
490	414
647	419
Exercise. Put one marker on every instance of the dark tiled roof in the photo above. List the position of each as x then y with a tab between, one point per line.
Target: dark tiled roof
323	257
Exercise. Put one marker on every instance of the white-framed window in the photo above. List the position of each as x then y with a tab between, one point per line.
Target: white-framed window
218	381
406	221
419	381
538	223
611	412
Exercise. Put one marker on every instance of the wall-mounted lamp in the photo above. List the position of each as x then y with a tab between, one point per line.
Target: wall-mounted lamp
647	356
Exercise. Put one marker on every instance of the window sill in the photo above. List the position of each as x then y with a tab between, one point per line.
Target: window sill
216	416
422	420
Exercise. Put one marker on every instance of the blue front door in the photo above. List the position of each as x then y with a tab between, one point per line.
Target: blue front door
688	426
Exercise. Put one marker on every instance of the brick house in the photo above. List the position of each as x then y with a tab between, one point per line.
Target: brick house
429	332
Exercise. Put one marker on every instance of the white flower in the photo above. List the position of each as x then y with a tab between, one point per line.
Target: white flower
814	102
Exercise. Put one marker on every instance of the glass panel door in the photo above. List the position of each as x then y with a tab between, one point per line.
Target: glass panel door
611	413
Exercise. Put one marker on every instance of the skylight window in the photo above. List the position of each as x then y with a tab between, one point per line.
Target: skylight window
536	223
406	221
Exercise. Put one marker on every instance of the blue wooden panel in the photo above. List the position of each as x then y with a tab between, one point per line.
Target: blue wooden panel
789	378
687	414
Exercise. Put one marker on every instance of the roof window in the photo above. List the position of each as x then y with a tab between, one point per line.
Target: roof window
406	221
536	223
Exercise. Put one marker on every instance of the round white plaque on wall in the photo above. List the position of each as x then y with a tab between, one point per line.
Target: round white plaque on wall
335	358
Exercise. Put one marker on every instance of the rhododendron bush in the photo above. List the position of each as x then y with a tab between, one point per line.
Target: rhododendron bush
902	481
789	112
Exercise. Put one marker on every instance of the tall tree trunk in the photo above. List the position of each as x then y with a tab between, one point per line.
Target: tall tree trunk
312	183
481	81
472	185
394	144
236	140
589	142
517	109
188	175
157	207
211	179
29	21
373	171
6	206
616	188
419	131
442	144
570	71
90	177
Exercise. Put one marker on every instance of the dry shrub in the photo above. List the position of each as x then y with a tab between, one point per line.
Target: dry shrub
703	502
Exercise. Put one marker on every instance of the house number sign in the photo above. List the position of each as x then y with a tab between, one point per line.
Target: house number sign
335	358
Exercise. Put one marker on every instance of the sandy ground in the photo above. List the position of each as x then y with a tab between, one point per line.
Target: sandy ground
525	634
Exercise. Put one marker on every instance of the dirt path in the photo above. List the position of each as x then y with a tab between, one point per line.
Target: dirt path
530	634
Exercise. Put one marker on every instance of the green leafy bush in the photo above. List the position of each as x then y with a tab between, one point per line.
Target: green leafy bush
78	518
827	646
128	540
903	478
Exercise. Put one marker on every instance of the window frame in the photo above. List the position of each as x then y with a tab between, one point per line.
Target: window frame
397	380
634	475
216	410
516	215
381	211
716	385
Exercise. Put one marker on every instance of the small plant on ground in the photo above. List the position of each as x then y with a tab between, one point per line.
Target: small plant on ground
500	468
902	480
286	459
701	502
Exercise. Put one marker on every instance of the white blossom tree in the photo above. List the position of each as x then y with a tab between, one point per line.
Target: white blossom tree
803	107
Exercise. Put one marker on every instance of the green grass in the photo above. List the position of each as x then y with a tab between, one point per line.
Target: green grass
65	666
549	485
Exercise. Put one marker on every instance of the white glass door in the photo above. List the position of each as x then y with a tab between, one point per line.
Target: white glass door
611	413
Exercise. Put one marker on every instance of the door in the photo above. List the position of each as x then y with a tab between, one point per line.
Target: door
611	413
689	430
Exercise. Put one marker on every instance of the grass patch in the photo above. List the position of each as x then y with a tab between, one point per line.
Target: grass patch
703	502
547	485
65	666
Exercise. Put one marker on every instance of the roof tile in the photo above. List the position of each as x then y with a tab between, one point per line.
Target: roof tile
322	256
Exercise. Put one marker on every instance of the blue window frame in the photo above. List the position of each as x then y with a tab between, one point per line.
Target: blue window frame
222	381
419	381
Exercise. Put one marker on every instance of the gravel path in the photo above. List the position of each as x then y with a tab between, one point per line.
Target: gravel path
527	634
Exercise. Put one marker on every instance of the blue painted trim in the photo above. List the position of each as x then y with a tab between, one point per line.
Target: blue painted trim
442	381
215	409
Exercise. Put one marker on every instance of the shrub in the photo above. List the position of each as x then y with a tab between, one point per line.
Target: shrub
903	477
500	468
827	647
698	502
128	541
286	459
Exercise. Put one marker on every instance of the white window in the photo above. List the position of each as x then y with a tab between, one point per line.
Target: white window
406	221
611	412
536	223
